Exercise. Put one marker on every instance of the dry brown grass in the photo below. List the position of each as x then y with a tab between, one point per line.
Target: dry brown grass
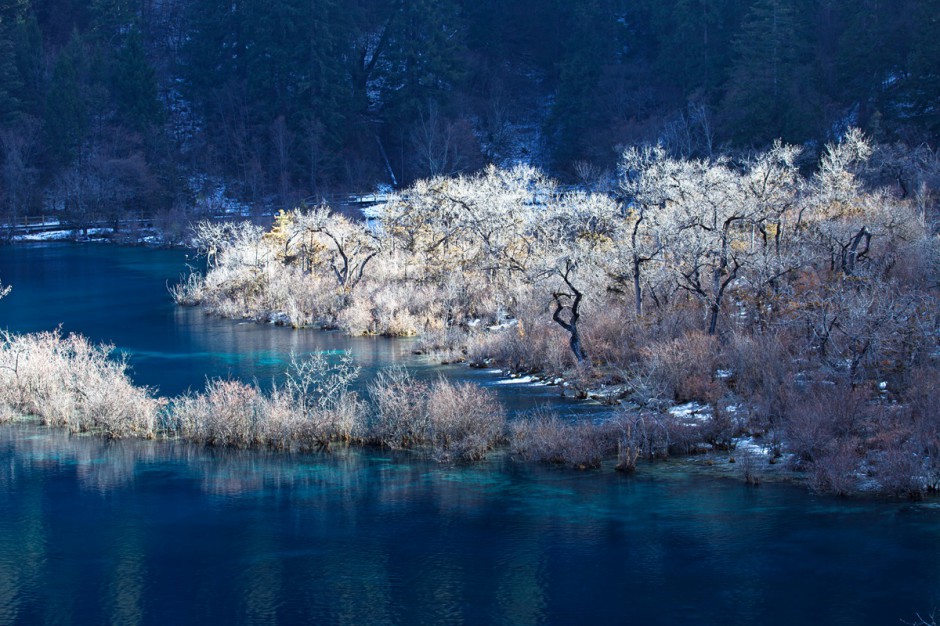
684	369
544	437
457	421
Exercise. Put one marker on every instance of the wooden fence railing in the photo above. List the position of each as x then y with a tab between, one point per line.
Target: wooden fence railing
29	224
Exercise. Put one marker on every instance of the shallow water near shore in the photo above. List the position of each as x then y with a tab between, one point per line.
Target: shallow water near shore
161	532
119	295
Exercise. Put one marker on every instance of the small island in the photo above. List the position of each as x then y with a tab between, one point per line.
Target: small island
469	311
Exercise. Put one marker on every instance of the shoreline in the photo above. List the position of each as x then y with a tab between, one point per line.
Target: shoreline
694	418
713	465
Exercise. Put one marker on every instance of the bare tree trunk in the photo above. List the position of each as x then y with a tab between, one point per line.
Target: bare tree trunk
851	254
571	325
637	286
714	310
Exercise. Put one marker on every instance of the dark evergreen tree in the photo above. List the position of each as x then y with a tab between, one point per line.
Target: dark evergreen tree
59	19
324	90
922	85
133	86
424	58
214	51
770	94
695	45
66	115
590	44
488	28
275	45
29	62
112	20
868	50
10	84
12	16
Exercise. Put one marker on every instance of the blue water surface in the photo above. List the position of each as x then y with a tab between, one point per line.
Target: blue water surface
164	532
120	295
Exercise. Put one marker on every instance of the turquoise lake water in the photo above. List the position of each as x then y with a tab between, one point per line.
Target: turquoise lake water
170	533
120	296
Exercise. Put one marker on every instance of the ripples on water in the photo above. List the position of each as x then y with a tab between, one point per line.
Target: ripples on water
166	533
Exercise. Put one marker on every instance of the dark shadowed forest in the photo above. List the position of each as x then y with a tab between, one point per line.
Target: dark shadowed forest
170	107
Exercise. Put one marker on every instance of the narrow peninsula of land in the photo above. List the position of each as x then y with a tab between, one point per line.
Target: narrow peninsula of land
739	305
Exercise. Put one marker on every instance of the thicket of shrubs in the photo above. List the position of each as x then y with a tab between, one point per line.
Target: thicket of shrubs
67	382
798	301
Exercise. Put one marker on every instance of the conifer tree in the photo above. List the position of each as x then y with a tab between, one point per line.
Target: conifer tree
10	84
696	50
923	82
424	59
12	14
590	40
29	62
113	19
66	116
324	88
133	85
770	91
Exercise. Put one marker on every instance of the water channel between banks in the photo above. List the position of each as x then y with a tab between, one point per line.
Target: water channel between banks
166	532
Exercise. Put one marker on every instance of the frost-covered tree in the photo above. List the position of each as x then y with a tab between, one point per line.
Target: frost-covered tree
843	218
481	221
709	223
647	234
576	234
230	244
347	247
710	212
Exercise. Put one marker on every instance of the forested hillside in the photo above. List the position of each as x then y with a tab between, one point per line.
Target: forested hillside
108	106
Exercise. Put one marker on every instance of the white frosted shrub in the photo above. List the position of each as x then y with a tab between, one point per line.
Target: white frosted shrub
226	414
356	318
67	381
399	410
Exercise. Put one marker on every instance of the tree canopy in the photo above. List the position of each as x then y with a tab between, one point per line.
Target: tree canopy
301	98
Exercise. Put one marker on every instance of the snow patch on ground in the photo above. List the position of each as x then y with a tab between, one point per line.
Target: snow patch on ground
60	235
752	446
608	394
521	380
692	411
374	212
